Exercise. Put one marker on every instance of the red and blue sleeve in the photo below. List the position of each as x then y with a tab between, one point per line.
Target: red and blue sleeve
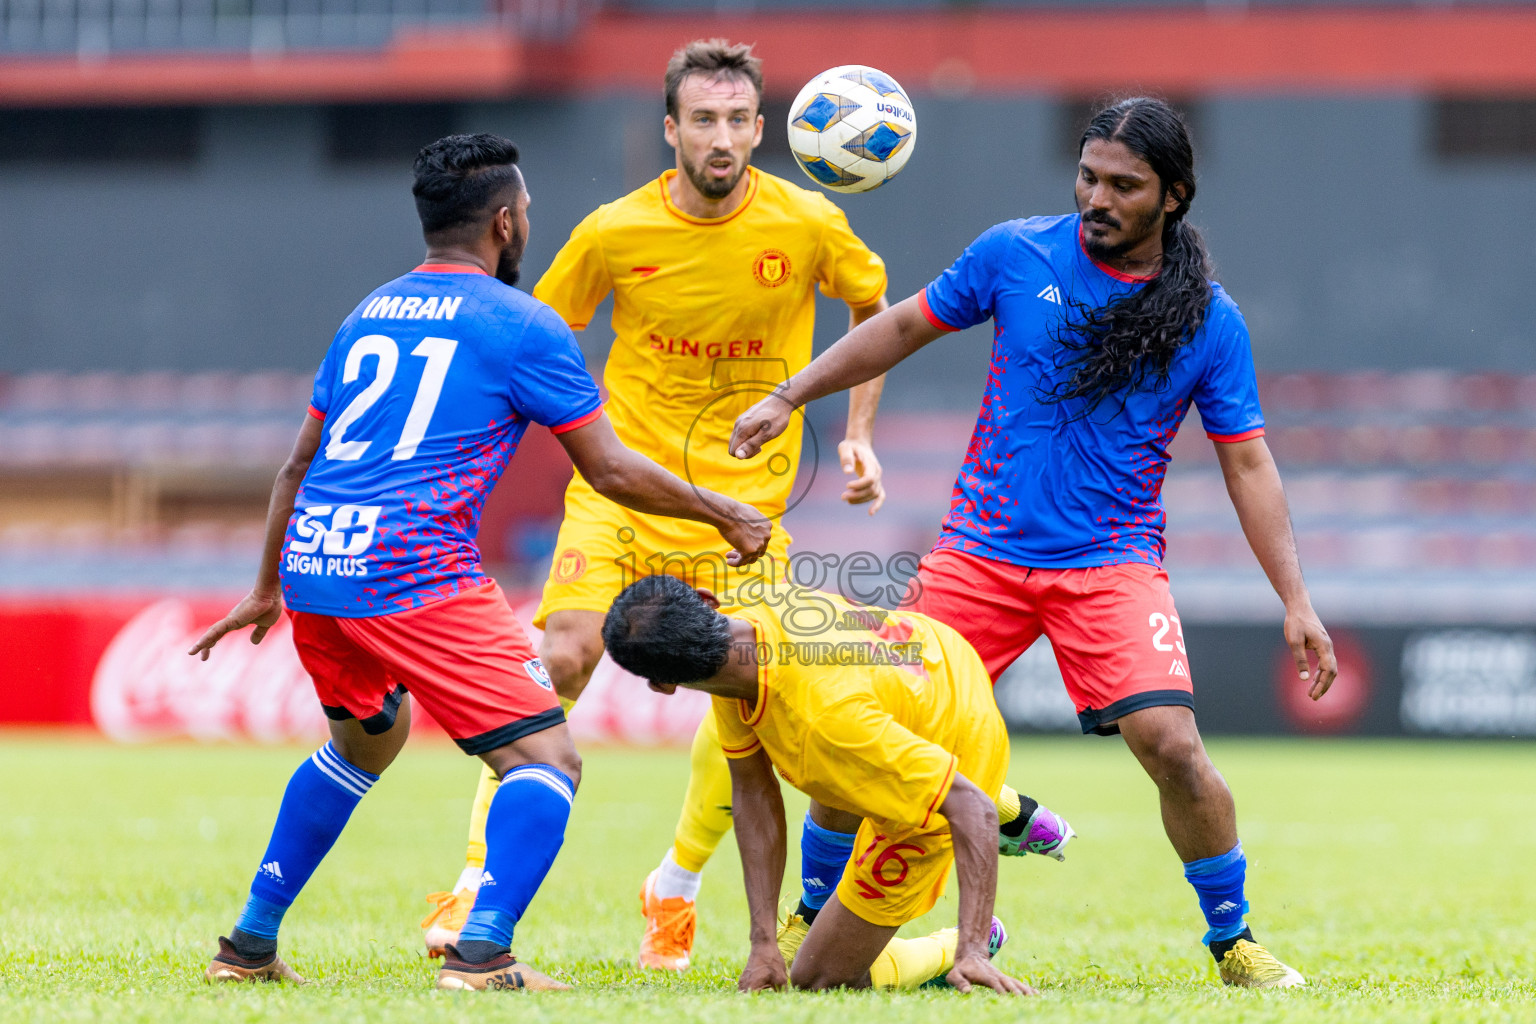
549	379
1227	394
320	396
962	296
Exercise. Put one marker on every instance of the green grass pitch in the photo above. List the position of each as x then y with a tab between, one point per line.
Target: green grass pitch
1396	876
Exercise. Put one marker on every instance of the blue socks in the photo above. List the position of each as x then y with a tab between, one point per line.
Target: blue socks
315	808
1218	883
523	831
823	855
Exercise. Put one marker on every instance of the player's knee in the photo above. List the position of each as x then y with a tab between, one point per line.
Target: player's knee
552	747
1178	762
834	820
564	757
570	663
807	974
569	762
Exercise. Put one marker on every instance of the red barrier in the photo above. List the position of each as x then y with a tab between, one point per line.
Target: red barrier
49	648
120	664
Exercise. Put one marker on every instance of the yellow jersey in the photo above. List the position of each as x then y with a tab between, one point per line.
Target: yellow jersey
708	315
863	710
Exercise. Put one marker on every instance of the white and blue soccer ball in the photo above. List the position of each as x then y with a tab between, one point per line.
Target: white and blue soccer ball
852	129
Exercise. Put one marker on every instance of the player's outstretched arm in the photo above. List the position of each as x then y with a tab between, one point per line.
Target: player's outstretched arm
1253	483
972	818
757	810
864	353
264	603
856	451
634	481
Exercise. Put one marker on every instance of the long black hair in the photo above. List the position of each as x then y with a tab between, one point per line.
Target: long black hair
1130	343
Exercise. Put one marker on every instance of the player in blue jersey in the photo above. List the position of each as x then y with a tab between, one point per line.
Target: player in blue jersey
418	406
1107	327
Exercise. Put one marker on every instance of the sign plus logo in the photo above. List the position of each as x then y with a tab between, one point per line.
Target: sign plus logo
331	541
347	534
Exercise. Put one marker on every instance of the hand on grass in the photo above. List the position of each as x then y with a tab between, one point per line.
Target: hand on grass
977	969
765	970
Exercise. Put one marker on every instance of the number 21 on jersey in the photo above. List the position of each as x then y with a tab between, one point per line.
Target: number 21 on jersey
438	352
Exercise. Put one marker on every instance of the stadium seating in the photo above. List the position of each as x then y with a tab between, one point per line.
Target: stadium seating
1414	492
1424	480
139	481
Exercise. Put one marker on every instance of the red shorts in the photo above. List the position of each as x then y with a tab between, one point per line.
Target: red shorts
1115	631
466	659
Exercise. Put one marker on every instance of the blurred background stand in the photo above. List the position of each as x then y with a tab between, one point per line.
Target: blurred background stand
194	193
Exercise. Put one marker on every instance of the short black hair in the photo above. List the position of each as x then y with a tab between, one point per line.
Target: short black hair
661	630
457	178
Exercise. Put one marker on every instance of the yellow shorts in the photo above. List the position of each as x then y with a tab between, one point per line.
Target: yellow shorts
603	547
897	875
896	878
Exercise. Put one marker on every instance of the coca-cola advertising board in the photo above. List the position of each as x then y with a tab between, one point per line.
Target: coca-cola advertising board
121	665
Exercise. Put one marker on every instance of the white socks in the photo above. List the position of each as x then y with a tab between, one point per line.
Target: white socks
469	879
673	881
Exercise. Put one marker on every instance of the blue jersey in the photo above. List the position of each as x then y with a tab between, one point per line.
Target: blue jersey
1052	485
425	394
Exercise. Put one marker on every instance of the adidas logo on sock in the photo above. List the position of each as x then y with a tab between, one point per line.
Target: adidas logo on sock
814	883
1224	907
486	880
274	869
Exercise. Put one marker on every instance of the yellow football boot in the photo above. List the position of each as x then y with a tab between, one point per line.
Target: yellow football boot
792	931
1250	965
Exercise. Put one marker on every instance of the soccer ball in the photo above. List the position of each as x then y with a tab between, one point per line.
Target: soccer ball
852	128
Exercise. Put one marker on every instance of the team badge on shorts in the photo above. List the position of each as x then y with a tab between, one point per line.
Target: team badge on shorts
771	268
569	565
538	673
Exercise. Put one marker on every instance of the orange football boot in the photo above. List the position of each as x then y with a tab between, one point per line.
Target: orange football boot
669	924
444	923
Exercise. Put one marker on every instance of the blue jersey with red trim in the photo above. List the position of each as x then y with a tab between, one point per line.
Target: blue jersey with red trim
1051	485
425	394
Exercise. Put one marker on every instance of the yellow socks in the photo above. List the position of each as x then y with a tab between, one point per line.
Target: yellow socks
475	856
908	963
706	815
1007	805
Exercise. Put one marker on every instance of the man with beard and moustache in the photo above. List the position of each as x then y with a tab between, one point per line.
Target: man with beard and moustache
1107	326
713	268
420	403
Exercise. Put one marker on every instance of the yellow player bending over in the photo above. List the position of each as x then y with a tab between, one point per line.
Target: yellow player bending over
886	717
713	269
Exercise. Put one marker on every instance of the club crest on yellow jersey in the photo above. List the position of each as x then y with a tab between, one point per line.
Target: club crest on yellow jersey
569	565
771	268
